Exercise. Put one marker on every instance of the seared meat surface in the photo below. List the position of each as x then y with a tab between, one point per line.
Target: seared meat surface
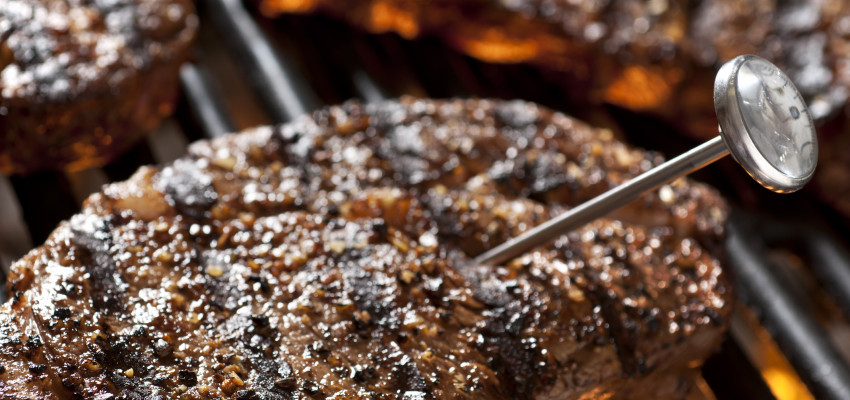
81	80
656	56
331	258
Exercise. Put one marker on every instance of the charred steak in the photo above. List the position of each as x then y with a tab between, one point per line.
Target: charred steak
81	80
331	258
657	56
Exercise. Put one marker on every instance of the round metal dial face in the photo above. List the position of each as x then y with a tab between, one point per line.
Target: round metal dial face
766	123
773	112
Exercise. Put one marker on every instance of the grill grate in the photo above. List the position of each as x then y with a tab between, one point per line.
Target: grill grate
263	77
806	345
204	105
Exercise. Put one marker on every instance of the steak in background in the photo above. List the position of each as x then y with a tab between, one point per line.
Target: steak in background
652	56
80	81
831	182
332	258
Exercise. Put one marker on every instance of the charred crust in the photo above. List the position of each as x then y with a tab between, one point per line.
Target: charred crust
33	341
37	368
62	313
337	271
188	378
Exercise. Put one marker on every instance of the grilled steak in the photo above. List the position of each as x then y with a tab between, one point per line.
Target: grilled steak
81	80
331	258
644	55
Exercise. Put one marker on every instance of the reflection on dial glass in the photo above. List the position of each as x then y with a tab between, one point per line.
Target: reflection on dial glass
776	118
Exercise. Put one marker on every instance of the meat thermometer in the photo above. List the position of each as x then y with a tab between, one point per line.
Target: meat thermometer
764	123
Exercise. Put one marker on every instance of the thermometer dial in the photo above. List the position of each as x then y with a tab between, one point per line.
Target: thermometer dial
765	122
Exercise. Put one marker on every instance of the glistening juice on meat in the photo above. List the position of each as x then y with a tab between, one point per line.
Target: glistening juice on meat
331	258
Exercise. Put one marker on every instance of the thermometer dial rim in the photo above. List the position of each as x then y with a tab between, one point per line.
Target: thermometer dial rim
735	132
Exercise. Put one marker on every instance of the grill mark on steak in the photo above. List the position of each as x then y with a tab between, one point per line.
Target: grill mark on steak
365	289
255	338
508	355
106	284
622	331
408	378
225	290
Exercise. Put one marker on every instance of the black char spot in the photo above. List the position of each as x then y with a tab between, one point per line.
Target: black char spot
62	313
407	377
188	378
188	188
107	286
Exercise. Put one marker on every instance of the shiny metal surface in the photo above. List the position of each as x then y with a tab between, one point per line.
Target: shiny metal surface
766	123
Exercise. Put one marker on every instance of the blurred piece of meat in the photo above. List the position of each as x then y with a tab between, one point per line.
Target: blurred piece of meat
832	178
654	56
331	258
808	39
80	81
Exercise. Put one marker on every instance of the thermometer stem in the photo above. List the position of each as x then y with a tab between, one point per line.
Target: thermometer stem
611	200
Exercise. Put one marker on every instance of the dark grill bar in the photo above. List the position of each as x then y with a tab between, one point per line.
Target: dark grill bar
378	67
273	77
831	264
13	230
204	102
829	260
805	344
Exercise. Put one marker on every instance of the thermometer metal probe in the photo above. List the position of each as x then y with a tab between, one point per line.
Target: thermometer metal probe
764	123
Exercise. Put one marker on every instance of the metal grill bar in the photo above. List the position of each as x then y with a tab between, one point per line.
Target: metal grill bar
804	343
13	231
213	118
830	263
274	77
167	142
204	104
367	88
828	259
